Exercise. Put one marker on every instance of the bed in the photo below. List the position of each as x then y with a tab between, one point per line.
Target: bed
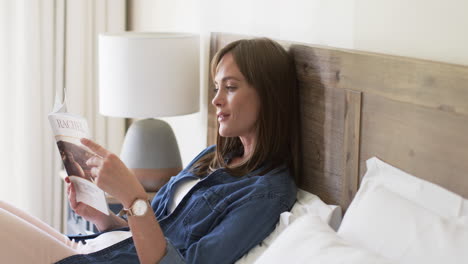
409	113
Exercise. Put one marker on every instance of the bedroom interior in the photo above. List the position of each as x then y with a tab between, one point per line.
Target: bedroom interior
385	79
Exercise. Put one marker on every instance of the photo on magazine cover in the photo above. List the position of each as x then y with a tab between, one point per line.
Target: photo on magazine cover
74	159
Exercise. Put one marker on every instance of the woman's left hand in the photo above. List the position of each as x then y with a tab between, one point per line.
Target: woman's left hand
112	176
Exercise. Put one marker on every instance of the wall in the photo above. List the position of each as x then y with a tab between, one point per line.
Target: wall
430	29
427	29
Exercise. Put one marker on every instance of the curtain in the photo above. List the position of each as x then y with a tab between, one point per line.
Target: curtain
27	87
44	46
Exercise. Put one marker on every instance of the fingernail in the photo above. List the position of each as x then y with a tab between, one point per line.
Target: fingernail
67	180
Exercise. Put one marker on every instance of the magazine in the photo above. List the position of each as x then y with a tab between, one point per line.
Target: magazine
68	129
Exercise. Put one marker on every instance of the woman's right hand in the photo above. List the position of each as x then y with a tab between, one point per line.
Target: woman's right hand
102	221
89	213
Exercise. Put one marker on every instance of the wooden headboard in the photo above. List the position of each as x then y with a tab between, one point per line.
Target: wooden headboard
410	113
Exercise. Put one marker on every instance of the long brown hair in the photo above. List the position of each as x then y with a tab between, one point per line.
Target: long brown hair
267	67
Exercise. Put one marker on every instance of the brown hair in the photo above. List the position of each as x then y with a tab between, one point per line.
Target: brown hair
267	67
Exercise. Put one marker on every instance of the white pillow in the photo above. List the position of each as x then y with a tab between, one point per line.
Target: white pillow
406	219
306	203
310	240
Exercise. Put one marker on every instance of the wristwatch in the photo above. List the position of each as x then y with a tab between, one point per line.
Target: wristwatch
138	208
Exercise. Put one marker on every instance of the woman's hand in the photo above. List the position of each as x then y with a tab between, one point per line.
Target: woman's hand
82	209
102	221
112	176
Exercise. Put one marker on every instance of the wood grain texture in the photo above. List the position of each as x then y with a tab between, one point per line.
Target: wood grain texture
428	84
425	83
410	113
428	143
212	123
351	146
322	109
322	120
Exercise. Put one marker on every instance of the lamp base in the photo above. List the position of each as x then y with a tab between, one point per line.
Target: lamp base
150	150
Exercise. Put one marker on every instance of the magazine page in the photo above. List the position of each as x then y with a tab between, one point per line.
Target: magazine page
68	129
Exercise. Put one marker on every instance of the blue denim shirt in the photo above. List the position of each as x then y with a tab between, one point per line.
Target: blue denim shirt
219	220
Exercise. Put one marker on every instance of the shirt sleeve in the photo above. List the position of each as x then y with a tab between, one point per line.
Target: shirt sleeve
242	229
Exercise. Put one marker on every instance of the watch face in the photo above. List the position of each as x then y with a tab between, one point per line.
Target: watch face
140	207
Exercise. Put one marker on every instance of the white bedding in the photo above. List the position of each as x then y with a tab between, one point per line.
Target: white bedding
309	240
394	218
306	204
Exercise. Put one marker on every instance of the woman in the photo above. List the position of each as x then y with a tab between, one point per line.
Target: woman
226	201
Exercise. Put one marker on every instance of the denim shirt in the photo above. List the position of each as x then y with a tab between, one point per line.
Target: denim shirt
218	221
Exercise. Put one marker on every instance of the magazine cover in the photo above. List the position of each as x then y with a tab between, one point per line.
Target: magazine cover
68	129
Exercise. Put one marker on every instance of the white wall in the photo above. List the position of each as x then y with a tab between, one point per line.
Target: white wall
428	29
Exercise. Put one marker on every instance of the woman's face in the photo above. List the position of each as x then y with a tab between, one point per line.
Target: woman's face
237	102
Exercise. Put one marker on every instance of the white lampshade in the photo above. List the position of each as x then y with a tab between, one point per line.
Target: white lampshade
145	75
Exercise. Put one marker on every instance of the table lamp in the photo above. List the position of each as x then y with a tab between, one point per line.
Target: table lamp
149	75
